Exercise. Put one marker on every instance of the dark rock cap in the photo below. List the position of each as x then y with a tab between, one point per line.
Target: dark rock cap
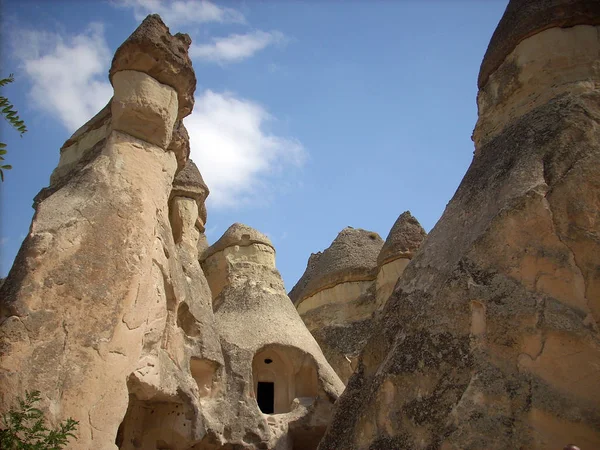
153	50
524	18
189	183
404	239
352	256
237	234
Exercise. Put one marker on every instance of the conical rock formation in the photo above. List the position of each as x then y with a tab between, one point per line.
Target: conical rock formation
343	287
264	340
336	295
403	242
490	339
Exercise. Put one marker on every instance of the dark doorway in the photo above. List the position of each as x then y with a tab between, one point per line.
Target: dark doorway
265	397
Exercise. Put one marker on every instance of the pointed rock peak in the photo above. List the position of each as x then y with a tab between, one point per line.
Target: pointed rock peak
153	50
352	256
189	183
524	18
238	234
404	239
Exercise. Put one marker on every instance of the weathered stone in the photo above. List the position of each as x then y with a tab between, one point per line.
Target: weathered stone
351	257
335	296
404	239
189	183
180	144
490	339
265	344
143	107
80	148
103	311
153	50
525	18
402	243
340	316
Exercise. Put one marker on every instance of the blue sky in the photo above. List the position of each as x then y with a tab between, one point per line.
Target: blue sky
310	116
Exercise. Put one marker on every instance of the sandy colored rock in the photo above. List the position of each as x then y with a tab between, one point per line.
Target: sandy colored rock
402	243
143	107
180	144
524	18
558	61
351	257
490	339
103	311
265	343
189	183
80	148
340	316
403	240
336	297
152	49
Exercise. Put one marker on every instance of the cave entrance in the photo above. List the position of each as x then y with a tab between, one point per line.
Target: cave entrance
265	397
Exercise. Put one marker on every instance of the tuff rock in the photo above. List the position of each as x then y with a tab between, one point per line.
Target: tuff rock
107	310
344	287
490	338
481	335
264	341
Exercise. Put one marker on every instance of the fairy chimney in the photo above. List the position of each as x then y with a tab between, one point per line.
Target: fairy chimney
490	339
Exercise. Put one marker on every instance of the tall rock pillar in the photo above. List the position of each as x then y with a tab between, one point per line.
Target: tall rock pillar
490	339
94	290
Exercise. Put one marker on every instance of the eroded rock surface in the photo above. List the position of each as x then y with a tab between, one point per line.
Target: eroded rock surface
490	339
280	389
106	310
403	242
344	286
151	49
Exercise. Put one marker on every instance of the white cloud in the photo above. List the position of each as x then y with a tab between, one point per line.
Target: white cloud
183	11
236	47
67	73
238	159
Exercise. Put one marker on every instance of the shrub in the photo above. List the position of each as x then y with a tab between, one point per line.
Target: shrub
24	428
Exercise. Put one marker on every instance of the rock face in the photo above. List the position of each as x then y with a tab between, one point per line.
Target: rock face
107	310
345	285
402	243
350	261
490	339
336	296
264	340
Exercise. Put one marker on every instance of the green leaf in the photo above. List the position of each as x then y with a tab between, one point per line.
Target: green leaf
24	428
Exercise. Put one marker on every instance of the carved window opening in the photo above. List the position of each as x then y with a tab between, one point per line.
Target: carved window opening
265	397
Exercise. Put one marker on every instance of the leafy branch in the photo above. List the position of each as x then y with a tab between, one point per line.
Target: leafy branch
12	117
24	428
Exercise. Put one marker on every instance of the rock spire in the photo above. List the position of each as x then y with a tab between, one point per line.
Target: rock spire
345	285
490	339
